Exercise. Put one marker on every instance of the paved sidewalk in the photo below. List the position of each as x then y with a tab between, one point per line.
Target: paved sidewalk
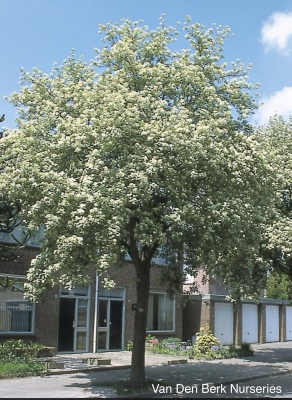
80	380
269	359
119	360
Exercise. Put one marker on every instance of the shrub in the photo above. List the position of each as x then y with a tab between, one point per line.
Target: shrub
150	338
130	345
170	346
171	340
19	359
207	347
245	349
205	341
17	350
232	349
245	346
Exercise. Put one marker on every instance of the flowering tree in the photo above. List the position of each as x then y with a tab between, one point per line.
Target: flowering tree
145	152
276	139
9	220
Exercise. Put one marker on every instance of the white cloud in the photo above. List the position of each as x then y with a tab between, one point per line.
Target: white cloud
279	103
276	33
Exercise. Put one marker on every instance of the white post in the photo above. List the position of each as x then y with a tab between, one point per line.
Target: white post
95	316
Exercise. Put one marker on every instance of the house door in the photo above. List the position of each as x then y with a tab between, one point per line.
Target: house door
116	324
66	324
73	324
110	324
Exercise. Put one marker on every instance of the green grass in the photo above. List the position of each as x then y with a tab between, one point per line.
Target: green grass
16	369
18	359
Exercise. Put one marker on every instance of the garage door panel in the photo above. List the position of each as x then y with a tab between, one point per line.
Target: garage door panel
288	323
250	323
272	324
224	323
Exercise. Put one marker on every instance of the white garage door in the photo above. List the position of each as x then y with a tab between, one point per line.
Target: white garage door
289	323
250	323
272	324
224	323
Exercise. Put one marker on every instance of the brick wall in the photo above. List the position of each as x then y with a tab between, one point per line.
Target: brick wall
203	288
211	286
47	318
191	324
23	262
47	309
197	313
125	277
282	322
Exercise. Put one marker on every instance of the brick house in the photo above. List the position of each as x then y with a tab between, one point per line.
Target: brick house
85	319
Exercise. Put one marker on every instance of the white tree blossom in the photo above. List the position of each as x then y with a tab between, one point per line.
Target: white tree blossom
145	151
276	139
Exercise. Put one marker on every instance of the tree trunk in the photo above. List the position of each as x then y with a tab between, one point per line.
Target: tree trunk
140	322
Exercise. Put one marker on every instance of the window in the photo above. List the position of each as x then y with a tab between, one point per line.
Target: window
4	237
160	312
75	291
35	239
16	313
116	292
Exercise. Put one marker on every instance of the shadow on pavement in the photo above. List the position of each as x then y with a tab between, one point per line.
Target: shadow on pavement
194	373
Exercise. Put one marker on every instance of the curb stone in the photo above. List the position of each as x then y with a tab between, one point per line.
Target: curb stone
83	370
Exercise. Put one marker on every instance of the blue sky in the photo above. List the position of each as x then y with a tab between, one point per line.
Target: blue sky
37	33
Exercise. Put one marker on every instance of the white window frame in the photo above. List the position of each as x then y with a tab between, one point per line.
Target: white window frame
3	307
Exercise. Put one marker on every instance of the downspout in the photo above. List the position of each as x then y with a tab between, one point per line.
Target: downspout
95	316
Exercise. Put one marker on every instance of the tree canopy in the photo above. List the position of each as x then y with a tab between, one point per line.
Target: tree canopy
276	138
9	220
279	286
146	151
